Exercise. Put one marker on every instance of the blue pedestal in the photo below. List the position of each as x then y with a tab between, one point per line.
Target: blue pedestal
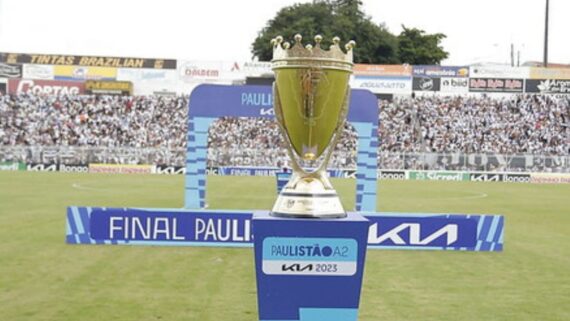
309	269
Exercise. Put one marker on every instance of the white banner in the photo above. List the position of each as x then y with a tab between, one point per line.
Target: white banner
384	85
37	72
150	81
146	75
252	68
193	71
454	85
499	72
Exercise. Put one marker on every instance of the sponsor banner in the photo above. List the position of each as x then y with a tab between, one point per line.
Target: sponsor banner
120	169
38	72
109	87
426	84
486	177
426	231
499	72
45	87
84	73
549	73
516	178
10	70
200	71
150	81
382	70
454	85
38	167
550	178
383	85
73	168
394	175
192	71
252	68
547	86
269	171
497	85
438	176
440	71
246	171
12	166
169	170
146	75
89	61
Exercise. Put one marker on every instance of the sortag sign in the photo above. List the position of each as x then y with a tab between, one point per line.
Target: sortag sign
421	231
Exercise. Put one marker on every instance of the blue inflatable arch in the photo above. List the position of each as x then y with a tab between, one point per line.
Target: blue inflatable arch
210	102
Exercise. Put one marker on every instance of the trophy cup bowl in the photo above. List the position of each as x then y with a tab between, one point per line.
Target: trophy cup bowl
310	97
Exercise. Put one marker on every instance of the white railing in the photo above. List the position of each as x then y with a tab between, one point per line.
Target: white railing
256	157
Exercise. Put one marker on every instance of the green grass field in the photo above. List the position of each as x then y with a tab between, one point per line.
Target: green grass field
42	278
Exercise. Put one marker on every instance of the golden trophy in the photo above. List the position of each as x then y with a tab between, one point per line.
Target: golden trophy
310	97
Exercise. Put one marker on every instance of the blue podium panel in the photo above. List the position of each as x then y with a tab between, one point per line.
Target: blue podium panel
309	269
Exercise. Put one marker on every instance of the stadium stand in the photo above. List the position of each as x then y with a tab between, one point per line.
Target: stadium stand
147	128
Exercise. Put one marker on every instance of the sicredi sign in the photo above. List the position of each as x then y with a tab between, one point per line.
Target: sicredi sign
45	87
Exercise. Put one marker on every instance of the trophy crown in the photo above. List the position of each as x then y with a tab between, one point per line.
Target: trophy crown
297	55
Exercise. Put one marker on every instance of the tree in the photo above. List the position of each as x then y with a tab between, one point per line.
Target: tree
330	18
415	47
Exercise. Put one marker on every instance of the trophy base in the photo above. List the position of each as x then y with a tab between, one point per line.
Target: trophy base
308	205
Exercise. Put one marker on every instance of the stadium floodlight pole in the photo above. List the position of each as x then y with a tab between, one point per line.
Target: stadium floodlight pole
546	14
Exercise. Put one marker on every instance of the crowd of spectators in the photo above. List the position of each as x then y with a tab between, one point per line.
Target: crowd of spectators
537	125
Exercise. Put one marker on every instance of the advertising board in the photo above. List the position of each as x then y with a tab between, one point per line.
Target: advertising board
438	176
39	167
454	85
90	61
547	86
550	178
516	178
426	83
146	75
109	87
435	71
45	87
549	73
84	73
383	85
193	71
12	166
499	72
382	70
486	177
38	72
496	85
393	175
253	68
420	231
10	70
120	169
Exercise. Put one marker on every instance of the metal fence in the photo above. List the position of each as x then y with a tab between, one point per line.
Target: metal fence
227	157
